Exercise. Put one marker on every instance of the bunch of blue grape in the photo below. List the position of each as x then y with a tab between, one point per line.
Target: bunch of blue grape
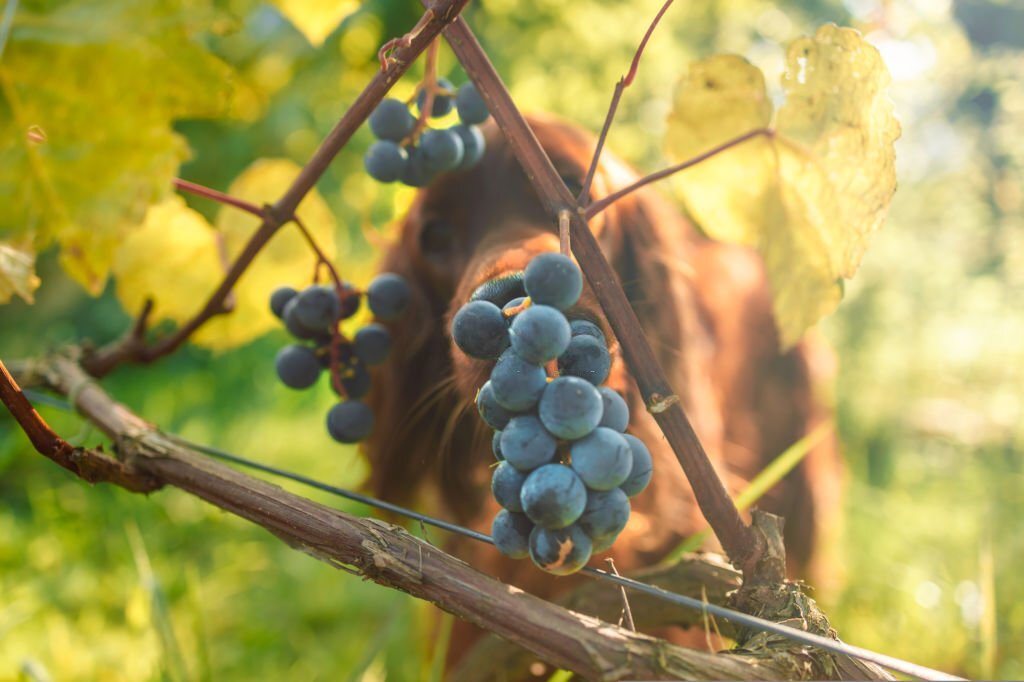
312	317
566	467
456	148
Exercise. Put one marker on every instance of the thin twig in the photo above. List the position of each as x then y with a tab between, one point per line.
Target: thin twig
620	87
596	207
219	197
564	241
429	87
627	613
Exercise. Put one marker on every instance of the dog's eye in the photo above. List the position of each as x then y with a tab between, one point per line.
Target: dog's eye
435	237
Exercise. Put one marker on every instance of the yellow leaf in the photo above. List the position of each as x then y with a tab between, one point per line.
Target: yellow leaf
171	259
316	19
286	259
809	197
17	272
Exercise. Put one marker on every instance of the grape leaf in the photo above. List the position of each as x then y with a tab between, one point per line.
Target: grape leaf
316	19
17	272
808	197
88	93
286	259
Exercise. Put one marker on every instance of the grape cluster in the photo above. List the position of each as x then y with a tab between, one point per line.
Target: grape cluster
312	316
566	468
458	147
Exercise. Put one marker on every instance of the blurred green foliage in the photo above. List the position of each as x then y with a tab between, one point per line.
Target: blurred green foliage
928	341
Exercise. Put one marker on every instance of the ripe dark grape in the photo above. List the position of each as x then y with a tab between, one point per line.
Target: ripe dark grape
294	326
493	414
349	301
525	444
604	517
442	102
506	486
417	172
615	414
372	344
350	421
480	330
316	307
391	120
517	384
553	279
570	407
387	295
279	299
496	446
562	551
553	496
473	144
643	467
586	357
511	534
470	105
602	459
588	328
385	161
442	149
539	333
297	366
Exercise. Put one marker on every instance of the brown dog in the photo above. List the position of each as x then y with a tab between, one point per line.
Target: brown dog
705	307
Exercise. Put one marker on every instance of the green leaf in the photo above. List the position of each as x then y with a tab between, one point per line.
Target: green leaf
810	196
316	19
88	94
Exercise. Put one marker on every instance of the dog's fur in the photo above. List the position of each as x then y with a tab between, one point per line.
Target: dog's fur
704	306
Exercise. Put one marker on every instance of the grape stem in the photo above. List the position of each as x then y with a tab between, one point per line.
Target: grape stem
613	107
428	86
564	241
400	56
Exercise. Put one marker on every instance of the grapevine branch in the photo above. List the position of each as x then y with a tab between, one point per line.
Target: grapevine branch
740	542
133	348
387	554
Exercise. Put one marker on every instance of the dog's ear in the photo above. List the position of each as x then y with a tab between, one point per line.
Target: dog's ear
421	423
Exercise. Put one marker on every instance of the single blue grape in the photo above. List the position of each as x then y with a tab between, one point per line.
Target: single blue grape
643	467
279	299
604	517
294	326
470	105
553	496
506	485
316	307
496	446
588	328
392	120
480	330
493	414
372	343
417	171
385	161
586	357
442	149
442	102
553	279
570	408
562	551
511	534
518	384
350	421
615	414
539	333
525	443
602	459
473	145
387	295
349	301
297	366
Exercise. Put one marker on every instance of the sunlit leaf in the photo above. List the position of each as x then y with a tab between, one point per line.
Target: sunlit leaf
17	272
172	259
808	198
316	18
287	259
88	94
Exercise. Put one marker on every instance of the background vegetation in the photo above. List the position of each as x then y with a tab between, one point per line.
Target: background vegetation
96	583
